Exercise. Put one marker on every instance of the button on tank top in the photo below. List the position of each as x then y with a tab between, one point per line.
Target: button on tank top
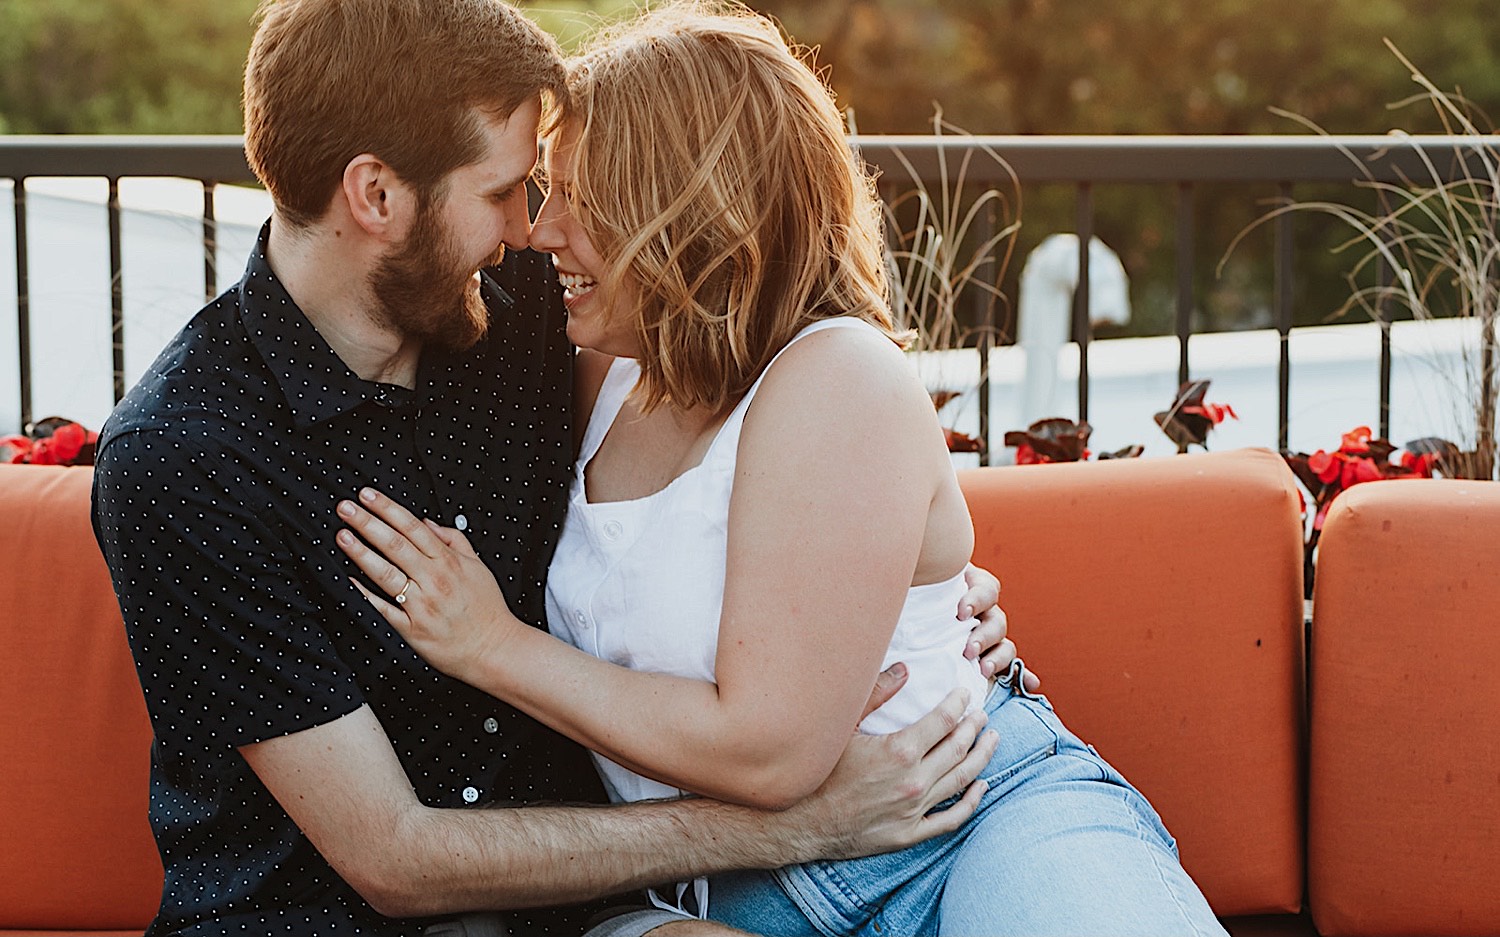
640	583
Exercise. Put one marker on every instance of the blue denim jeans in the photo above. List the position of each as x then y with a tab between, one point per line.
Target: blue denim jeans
1060	844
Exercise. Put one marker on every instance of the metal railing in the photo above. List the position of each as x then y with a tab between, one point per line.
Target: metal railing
1180	164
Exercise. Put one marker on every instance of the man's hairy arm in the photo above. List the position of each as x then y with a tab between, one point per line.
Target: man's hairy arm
343	785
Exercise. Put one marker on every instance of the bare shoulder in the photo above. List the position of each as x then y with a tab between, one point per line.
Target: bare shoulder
842	396
844	369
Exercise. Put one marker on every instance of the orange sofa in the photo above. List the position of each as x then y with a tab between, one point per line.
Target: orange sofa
1161	600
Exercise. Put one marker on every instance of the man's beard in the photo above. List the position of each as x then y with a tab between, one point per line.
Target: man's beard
423	290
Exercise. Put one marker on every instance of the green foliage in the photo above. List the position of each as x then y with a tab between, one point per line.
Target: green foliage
1140	66
995	66
573	21
122	66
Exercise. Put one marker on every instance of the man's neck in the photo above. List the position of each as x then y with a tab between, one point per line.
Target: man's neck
325	270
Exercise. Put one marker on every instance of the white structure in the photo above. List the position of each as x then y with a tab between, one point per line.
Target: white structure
1045	314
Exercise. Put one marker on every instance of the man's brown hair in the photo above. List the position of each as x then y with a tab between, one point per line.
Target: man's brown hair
327	80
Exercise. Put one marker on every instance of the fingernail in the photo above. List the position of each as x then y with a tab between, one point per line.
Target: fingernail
345	538
973	650
898	670
987	668
367	494
965	612
346	508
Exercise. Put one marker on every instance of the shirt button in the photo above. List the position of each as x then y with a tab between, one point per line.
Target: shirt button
612	530
492	725
461	522
583	619
471	794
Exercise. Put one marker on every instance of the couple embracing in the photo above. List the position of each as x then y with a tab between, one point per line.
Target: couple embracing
344	501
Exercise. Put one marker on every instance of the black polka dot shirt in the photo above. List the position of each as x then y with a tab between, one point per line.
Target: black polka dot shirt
214	499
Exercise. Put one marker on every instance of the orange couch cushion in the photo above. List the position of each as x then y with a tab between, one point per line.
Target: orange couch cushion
1161	602
1404	789
75	741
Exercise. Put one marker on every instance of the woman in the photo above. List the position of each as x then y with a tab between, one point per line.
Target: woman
764	513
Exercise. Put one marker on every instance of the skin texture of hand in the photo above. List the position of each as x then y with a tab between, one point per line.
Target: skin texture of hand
454	612
988	642
878	797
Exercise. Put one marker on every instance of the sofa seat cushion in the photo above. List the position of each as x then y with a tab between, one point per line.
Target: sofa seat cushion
75	741
1160	600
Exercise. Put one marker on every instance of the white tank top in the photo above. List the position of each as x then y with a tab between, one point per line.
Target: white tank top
640	583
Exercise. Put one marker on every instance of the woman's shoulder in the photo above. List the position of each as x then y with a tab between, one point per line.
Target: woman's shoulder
838	381
848	360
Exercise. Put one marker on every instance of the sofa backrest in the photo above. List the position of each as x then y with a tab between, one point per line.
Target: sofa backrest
1160	600
1404	780
75	739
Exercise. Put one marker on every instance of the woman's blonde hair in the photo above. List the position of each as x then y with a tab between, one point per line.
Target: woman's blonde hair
712	172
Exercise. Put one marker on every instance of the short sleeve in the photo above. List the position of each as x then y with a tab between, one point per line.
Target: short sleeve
226	638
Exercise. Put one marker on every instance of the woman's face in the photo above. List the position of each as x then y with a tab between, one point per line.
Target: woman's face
591	319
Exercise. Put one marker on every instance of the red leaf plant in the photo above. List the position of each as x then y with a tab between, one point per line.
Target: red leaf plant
1362	457
1059	440
53	441
1050	440
1189	419
957	442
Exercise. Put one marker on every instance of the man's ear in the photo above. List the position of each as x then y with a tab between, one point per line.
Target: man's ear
379	201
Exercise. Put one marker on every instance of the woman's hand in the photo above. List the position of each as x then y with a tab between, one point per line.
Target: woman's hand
441	597
987	642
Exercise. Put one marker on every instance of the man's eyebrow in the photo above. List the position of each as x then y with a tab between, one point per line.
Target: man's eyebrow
511	183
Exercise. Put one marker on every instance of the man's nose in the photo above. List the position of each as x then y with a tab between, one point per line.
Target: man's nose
518	226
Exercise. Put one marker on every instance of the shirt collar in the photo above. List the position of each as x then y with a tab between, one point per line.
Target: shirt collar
315	381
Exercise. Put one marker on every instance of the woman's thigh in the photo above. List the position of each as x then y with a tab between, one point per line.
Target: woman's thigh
1061	845
1068	855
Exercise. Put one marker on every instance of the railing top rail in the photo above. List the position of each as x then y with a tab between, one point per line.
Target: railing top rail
1098	159
218	158
1168	159
1037	159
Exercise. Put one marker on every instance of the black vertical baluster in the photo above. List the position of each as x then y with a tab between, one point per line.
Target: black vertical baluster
23	302
1185	235
210	244
1082	325
1383	277
1283	306
985	302
116	292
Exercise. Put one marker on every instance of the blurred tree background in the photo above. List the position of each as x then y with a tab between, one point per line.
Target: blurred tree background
995	66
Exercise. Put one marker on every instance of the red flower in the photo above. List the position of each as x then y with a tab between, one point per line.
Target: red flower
14	449
1025	455
1356	441
1189	419
1362	457
53	441
1215	413
1323	465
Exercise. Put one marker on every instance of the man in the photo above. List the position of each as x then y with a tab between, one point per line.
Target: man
309	772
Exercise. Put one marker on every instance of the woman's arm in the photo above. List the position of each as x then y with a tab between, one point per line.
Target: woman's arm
839	461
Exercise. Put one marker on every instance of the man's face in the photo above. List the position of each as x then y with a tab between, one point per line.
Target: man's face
427	286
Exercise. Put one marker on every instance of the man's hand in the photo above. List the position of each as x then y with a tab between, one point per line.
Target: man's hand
987	642
882	789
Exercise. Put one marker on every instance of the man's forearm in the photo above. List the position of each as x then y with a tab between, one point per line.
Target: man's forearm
520	857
